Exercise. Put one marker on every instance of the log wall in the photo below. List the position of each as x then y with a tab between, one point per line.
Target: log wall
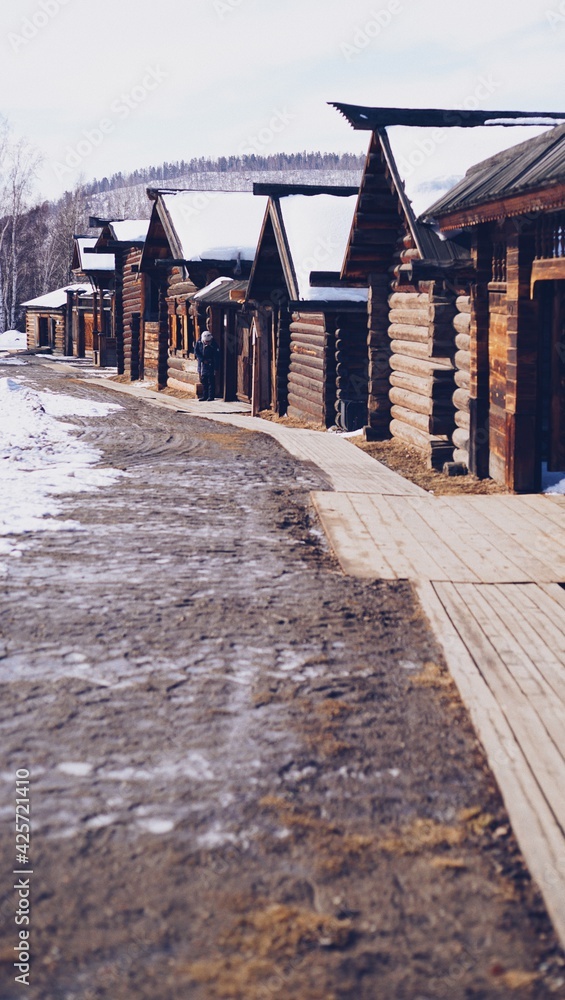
182	370
129	313
422	364
352	364
311	381
32	330
461	396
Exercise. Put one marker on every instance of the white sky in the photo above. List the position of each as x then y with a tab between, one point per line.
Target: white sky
213	77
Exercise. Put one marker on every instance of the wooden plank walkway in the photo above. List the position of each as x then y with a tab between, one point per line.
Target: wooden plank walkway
487	570
513	684
466	539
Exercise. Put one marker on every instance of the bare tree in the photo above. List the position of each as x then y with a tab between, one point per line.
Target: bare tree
18	165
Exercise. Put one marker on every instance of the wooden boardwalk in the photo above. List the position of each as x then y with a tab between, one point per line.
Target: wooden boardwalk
488	571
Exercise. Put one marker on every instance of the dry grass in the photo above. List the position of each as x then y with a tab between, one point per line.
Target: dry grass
515	979
231	442
408	462
433	676
291	421
265	948
422	835
334	852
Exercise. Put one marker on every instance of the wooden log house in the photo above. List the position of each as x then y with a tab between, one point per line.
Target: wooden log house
411	274
91	317
511	325
194	237
305	353
124	239
48	322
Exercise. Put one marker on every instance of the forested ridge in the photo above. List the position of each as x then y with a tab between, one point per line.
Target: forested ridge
36	240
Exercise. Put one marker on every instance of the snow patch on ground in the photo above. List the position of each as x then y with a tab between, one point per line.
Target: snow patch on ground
13	340
552	482
41	459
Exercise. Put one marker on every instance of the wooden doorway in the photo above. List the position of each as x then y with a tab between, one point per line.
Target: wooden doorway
551	412
44	332
244	359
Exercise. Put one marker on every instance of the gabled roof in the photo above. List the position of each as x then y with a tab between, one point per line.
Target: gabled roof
85	261
372	119
532	166
220	291
129	231
382	212
307	232
58	298
210	225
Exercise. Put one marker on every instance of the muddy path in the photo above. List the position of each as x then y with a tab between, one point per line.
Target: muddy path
251	777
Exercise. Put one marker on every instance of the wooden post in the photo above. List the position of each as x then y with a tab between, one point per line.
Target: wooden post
121	257
163	339
523	468
378	343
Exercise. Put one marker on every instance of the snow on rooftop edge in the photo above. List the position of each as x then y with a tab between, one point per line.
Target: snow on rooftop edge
93	261
216	225
317	228
131	230
58	297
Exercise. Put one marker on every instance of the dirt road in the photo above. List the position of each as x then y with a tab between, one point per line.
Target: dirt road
251	777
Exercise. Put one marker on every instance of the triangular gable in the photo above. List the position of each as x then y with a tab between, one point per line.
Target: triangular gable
302	232
384	214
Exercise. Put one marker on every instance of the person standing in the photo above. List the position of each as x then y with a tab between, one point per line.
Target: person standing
207	354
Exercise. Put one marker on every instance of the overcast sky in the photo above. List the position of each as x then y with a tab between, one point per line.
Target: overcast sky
107	85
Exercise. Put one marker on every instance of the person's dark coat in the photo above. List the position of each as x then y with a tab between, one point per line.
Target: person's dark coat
207	355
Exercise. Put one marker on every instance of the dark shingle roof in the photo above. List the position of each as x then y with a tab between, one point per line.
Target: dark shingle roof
534	164
369	118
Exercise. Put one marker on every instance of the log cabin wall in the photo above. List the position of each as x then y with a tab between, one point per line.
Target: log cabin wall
461	396
311	381
351	368
422	364
31	331
182	369
53	325
129	312
379	352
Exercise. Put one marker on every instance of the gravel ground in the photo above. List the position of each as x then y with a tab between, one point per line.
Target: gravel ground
251	777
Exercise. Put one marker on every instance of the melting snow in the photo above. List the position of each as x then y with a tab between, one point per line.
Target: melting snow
157	826
13	340
552	482
76	769
41	459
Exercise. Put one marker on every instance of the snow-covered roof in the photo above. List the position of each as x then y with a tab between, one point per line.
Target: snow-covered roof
317	229
215	225
219	290
130	230
58	298
339	293
93	261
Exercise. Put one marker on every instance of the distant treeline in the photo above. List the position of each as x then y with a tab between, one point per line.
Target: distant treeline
227	164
